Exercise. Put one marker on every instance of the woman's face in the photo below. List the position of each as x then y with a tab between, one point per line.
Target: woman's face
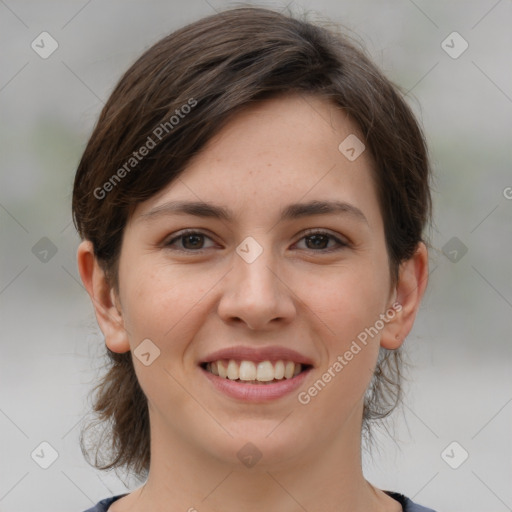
297	263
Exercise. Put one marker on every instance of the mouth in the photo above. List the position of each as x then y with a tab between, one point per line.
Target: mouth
255	382
256	375
255	372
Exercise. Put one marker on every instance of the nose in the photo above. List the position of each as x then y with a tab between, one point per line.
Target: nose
256	294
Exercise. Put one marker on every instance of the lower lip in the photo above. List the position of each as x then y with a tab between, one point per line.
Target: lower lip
256	392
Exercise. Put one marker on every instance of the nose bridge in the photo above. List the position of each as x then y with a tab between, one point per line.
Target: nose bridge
252	268
254	292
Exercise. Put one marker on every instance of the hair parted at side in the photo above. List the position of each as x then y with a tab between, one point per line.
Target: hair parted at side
219	65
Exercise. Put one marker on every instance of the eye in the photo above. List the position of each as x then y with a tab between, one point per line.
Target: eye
189	241
315	240
319	241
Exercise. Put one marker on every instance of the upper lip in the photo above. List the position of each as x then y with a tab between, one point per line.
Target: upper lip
243	353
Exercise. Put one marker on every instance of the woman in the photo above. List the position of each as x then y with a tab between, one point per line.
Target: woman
251	204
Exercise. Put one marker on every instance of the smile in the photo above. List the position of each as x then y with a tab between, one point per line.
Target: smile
251	372
251	381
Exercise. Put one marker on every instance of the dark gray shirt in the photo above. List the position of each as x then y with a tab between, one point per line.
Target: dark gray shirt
407	504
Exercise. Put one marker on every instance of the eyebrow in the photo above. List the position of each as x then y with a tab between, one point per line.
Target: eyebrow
290	212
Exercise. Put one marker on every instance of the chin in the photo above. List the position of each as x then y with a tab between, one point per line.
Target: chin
260	445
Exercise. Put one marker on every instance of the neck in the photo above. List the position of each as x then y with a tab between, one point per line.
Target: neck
328	478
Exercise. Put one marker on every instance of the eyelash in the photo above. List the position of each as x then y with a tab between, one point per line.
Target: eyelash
341	244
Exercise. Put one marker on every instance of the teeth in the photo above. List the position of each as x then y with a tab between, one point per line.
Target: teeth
288	370
279	370
248	371
233	372
220	368
265	371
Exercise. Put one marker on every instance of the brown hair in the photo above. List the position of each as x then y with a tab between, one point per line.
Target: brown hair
216	66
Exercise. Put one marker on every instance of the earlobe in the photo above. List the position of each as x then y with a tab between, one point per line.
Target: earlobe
103	297
411	285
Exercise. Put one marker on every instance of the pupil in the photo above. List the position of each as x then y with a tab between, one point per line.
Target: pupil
188	238
318	238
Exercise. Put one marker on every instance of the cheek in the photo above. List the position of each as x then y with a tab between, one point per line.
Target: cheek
162	304
348	299
347	309
348	306
159	298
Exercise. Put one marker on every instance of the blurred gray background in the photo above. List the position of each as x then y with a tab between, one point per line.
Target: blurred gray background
460	388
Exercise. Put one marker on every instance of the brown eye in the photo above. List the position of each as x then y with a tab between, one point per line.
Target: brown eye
317	241
192	241
320	240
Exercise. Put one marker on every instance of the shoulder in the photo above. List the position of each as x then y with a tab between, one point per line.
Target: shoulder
104	505
407	504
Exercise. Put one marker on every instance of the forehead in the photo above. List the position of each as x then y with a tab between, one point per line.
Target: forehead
301	122
276	151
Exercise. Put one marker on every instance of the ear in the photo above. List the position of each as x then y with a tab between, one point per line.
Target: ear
106	304
412	281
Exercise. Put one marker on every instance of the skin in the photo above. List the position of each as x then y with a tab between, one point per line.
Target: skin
295	294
